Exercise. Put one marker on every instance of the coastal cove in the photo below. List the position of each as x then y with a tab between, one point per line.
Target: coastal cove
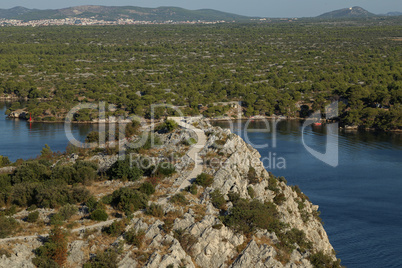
21	139
359	200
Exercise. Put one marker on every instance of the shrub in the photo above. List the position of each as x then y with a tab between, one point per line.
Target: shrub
54	252
186	240
33	217
165	169
68	211
7	226
251	192
179	199
91	203
99	215
147	188
31	172
135	238
322	260
129	200
155	210
56	219
93	136
85	175
115	229
279	199
293	236
123	170
4	161
168	126
217	199
245	216
204	180
192	189
108	258
273	184
65	173
252	176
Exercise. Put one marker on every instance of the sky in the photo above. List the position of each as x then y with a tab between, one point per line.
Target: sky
261	8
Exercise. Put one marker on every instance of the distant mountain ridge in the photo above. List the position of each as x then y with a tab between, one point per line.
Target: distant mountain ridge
352	12
120	12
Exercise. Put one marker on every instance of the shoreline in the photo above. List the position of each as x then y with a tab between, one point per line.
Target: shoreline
357	129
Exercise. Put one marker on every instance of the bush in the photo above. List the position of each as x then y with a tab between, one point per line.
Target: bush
279	199
33	217
56	219
147	188
93	136
115	229
245	216
155	210
192	189
108	258
179	199
65	173
99	215
322	260
217	199
251	192
165	169
186	240
91	203
293	236
54	252
31	172
135	238
84	164
129	200
7	226
252	176
123	170
4	161
204	180
85	175
68	211
168	126
273	184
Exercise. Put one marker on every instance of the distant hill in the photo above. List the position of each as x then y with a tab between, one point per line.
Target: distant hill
395	13
352	12
126	12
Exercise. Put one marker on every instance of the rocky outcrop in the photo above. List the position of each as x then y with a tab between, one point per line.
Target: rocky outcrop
194	234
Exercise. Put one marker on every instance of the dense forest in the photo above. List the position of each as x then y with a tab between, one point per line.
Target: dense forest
282	68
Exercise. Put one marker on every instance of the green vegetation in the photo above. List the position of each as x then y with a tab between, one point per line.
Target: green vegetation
129	200
54	252
33	217
107	258
123	170
204	180
135	238
179	199
297	68
322	260
155	210
116	228
99	215
8	226
218	199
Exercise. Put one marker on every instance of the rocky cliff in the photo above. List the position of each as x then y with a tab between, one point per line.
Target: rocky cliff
201	229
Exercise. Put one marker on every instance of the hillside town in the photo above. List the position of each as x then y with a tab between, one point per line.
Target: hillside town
93	21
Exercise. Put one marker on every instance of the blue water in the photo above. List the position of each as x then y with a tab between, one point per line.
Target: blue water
21	139
360	200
